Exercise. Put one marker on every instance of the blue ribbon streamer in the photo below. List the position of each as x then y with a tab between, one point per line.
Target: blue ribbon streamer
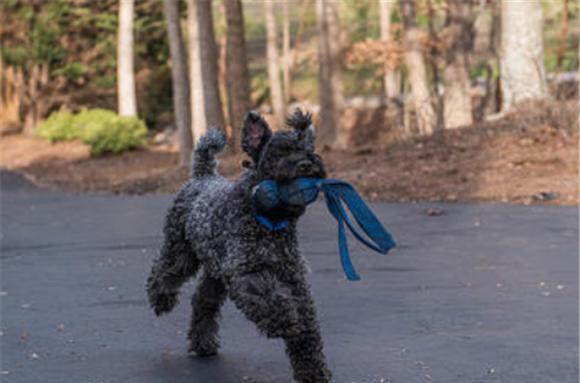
336	192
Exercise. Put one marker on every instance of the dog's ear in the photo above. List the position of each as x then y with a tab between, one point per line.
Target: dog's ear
302	123
255	134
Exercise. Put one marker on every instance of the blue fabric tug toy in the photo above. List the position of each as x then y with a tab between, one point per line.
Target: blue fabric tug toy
269	195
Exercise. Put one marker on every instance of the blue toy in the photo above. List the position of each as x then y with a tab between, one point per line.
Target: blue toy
303	191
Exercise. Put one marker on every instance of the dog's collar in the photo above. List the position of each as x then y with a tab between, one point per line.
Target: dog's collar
270	225
266	197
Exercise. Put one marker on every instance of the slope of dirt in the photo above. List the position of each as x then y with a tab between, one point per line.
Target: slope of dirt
503	162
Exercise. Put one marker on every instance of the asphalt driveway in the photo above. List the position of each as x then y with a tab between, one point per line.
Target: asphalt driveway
482	293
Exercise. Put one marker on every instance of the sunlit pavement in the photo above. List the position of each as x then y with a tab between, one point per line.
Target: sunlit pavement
482	293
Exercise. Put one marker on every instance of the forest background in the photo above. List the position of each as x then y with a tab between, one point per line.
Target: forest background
413	100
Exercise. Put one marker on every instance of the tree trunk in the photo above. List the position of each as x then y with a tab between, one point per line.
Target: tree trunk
237	74
286	51
276	95
523	76
392	77
417	70
198	117
332	132
205	98
181	101
304	7
221	48
32	115
486	50
434	64
563	37
208	54
457	99
127	99
457	102
11	94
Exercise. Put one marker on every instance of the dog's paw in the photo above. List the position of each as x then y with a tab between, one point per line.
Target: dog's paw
202	352
161	299
165	304
325	376
201	346
311	369
162	303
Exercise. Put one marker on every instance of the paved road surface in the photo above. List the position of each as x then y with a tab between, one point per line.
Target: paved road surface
484	293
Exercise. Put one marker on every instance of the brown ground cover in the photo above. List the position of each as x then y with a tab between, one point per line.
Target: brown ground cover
521	159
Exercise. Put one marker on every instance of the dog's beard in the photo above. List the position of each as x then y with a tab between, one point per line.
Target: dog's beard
284	212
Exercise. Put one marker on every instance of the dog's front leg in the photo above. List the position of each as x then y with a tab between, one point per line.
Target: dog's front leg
265	301
305	348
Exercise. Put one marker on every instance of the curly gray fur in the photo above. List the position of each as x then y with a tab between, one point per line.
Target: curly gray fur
211	226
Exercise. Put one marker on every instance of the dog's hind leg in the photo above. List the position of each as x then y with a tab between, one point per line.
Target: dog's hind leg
206	303
176	263
169	272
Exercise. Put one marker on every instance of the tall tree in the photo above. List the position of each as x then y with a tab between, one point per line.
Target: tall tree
415	63
11	84
205	98
181	94
198	117
523	76
460	32
286	51
433	64
276	94
222	42
332	132
292	59
563	36
237	74
392	77
486	44
209	59
127	99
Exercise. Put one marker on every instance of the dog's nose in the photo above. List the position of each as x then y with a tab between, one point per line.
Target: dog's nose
305	166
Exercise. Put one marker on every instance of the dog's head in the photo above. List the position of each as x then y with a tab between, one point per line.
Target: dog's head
284	155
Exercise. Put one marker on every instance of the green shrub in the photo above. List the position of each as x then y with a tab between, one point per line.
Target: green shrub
58	127
103	130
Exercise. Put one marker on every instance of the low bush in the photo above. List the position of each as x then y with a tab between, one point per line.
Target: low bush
103	130
106	132
58	127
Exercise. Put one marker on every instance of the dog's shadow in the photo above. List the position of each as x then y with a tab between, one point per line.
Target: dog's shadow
222	368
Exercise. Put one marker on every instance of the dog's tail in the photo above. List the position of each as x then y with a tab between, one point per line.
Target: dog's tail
204	161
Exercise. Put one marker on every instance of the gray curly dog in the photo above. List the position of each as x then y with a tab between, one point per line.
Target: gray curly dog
211	227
